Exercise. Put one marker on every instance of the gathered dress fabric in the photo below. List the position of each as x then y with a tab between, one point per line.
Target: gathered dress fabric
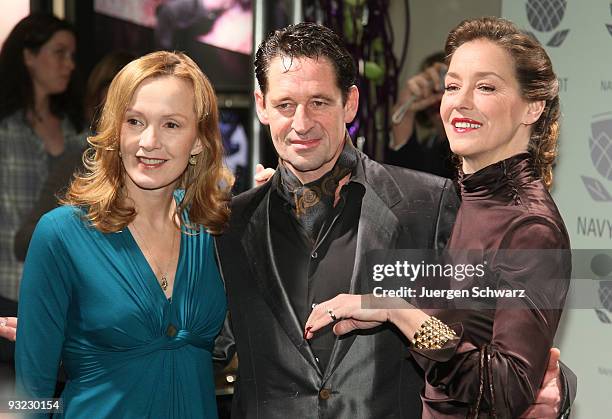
91	301
508	218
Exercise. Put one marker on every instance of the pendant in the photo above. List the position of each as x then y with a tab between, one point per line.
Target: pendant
164	282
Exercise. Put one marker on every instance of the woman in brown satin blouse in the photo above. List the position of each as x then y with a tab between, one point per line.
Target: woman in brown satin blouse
500	111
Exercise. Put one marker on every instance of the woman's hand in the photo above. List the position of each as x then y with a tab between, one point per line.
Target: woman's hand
353	312
347	310
8	328
262	175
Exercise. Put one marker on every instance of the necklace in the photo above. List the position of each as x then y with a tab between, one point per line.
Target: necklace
163	281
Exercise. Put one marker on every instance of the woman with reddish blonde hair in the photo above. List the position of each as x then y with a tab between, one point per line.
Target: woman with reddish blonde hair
120	284
204	195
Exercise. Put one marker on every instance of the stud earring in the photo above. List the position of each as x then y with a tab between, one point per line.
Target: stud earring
193	160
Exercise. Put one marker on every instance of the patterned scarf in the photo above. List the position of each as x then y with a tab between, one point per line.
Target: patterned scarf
313	203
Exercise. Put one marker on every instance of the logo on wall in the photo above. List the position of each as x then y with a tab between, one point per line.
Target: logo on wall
605	296
545	16
600	145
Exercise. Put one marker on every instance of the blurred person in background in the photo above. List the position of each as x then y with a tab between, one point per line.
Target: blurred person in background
40	121
98	82
95	95
418	140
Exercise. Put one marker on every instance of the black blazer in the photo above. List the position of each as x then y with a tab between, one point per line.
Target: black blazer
370	373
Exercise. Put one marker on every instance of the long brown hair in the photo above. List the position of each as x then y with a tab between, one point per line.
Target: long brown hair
16	85
100	189
535	76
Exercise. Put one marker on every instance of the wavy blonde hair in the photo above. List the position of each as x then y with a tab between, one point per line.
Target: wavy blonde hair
100	188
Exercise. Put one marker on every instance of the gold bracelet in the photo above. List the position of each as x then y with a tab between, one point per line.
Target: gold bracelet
433	334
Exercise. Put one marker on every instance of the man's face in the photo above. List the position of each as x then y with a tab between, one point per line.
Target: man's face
307	117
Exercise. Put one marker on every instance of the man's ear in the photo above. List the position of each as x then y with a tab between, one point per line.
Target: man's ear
260	106
534	110
351	105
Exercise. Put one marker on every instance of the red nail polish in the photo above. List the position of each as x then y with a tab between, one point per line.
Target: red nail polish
307	330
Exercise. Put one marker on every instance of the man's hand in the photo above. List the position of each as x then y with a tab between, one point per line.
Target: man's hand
262	175
548	401
8	328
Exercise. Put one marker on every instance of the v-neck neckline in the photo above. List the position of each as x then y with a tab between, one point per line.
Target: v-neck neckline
148	271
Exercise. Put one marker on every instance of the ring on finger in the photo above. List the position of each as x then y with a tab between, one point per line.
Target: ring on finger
331	314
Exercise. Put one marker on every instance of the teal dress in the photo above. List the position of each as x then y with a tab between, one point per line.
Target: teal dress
91	301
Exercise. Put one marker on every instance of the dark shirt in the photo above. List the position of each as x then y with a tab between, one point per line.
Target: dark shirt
313	272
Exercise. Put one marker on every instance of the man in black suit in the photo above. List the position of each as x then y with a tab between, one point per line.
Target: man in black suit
302	238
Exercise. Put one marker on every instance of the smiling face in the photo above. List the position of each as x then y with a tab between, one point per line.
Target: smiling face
158	134
51	66
485	117
307	117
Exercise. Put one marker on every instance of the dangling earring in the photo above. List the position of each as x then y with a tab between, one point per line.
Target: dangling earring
120	155
193	160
